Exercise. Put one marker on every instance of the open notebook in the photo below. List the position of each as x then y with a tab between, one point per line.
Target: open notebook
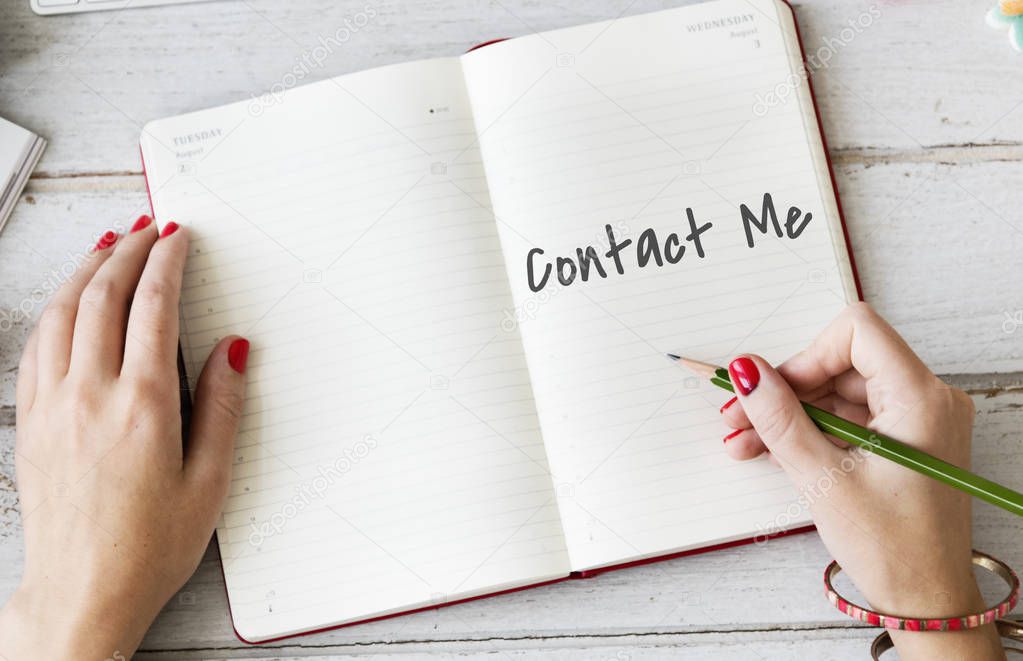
422	426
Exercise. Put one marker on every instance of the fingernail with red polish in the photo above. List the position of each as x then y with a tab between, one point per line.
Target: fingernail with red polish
745	375
169	229
142	223
238	355
727	404
107	240
731	436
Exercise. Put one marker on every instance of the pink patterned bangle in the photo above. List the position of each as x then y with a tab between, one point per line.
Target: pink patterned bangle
972	621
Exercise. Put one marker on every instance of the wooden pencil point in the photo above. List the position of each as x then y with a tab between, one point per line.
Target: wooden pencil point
696	367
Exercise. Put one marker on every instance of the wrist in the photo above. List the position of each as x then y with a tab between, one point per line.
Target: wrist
951	592
46	621
958	596
900	600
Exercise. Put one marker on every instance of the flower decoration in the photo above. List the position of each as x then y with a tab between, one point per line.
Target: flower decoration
1009	13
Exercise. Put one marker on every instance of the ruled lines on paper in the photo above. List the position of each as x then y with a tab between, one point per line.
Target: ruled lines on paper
389	456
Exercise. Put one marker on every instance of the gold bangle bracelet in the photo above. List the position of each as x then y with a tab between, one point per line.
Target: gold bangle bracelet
1008	629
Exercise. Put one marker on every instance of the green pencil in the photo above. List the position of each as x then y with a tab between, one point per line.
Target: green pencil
884	446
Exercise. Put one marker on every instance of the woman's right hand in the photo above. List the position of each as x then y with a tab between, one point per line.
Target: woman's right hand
903	538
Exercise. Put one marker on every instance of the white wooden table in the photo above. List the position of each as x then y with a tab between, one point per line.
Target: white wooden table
924	114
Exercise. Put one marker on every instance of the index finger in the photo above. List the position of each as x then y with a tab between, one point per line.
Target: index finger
152	337
861	341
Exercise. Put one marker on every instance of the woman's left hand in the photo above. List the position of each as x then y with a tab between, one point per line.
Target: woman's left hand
116	511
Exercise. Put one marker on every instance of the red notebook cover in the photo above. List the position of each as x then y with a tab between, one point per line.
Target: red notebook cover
635	563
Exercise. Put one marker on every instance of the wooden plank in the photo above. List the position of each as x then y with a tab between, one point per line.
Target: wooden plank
937	246
754	588
891	85
899	83
819	644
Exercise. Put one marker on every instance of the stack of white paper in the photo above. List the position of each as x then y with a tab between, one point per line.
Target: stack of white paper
19	152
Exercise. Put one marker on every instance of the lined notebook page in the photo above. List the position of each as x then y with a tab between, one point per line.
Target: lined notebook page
389	455
627	124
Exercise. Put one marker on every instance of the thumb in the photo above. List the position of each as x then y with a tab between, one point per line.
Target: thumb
779	419
218	401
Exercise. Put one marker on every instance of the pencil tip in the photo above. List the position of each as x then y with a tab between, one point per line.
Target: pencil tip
695	366
672	356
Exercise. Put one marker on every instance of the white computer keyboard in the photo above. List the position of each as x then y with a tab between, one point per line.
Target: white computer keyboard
47	7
